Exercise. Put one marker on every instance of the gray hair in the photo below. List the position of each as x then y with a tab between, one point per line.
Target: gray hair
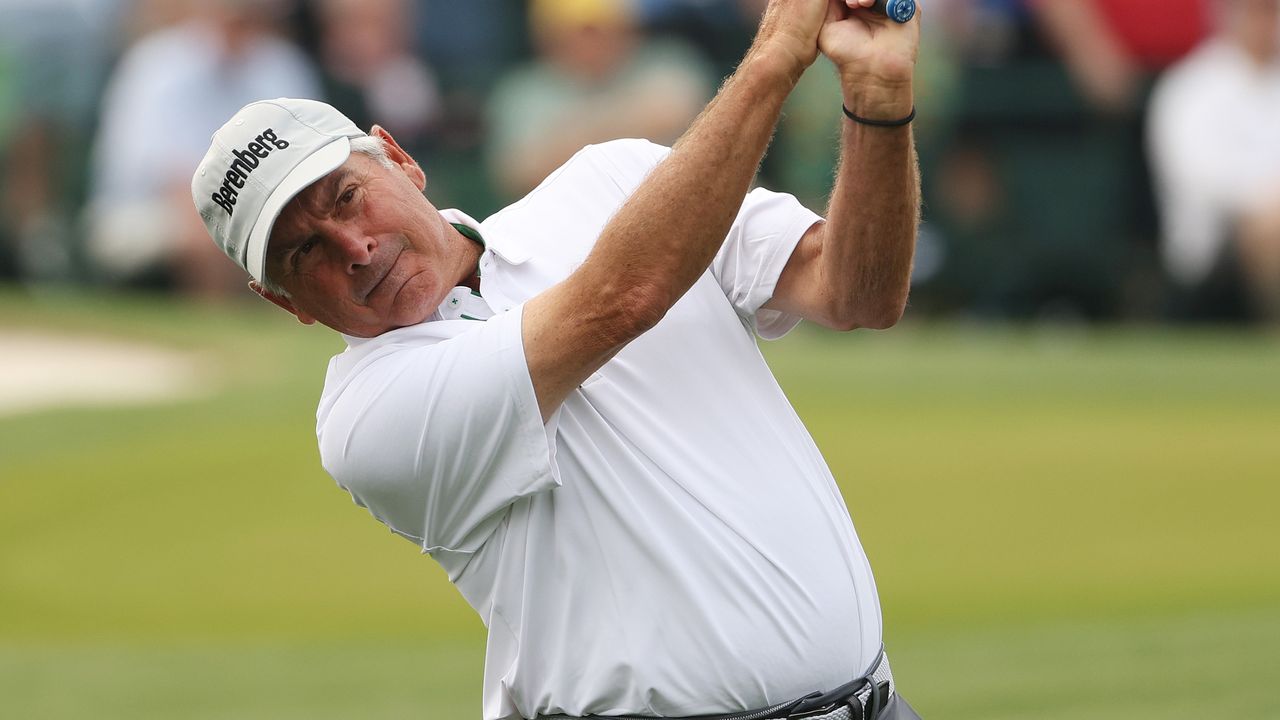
368	145
374	147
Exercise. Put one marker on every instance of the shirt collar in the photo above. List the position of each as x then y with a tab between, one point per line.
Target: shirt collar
499	244
463	303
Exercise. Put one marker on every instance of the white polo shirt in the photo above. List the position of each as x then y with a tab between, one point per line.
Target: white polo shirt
671	543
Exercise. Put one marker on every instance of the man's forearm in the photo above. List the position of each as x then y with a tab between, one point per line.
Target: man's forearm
668	232
869	237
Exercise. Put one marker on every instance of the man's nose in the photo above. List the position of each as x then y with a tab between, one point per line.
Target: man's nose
357	249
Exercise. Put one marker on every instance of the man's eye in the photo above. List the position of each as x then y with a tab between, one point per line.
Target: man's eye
306	247
347	196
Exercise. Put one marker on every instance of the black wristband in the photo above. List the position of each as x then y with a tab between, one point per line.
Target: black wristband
879	123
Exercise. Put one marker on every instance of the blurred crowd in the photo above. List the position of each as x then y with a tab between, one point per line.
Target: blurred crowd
1082	159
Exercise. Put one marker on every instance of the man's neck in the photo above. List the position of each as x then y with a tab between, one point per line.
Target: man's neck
472	247
472	281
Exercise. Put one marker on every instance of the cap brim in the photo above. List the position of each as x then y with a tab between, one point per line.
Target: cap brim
317	165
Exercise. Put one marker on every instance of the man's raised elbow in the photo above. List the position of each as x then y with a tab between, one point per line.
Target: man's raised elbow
880	316
634	311
884	319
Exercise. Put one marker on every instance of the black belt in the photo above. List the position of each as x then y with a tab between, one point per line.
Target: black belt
862	699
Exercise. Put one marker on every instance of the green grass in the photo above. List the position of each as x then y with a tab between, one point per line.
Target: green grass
1063	523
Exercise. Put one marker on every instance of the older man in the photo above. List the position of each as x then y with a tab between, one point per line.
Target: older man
564	404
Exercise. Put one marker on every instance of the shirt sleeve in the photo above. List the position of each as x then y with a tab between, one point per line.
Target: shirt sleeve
766	230
437	441
760	242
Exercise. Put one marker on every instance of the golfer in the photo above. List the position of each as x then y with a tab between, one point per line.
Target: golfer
564	404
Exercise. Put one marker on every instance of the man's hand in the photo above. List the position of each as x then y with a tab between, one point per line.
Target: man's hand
789	33
874	55
854	270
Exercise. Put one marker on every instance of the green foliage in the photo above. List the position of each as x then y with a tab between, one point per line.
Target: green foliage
1063	523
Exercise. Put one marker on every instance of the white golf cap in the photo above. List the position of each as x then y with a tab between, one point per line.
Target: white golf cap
267	153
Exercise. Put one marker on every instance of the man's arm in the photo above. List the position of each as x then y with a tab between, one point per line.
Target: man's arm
854	270
664	236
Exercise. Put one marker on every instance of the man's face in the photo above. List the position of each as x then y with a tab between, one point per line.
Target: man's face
362	250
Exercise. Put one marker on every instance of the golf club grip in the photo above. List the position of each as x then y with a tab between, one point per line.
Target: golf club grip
900	11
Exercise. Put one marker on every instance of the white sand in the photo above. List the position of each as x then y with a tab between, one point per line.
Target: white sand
40	370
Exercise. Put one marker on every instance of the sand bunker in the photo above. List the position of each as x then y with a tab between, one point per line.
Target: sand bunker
39	371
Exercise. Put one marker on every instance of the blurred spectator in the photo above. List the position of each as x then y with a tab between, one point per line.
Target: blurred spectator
471	43
596	79
51	57
366	45
721	29
168	94
1110	46
1215	148
1039	202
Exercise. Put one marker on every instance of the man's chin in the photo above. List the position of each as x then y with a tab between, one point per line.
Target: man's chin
413	302
373	326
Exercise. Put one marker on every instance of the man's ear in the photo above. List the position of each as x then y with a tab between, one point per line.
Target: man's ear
281	302
400	157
